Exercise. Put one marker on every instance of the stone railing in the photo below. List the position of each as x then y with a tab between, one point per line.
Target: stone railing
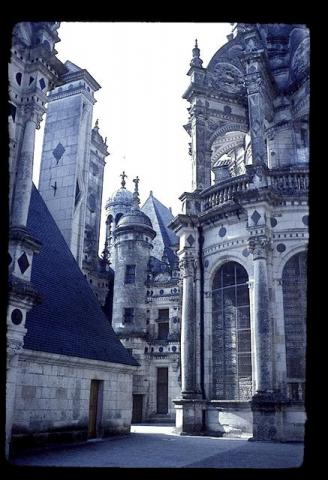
224	191
294	181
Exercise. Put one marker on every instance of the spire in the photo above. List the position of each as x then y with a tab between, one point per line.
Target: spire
136	199
105	256
196	60
123	176
97	124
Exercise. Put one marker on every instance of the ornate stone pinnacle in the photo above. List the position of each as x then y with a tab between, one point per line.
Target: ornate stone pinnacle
123	176
97	123
136	191
196	60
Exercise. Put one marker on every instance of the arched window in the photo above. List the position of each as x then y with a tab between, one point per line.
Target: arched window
232	366
117	218
294	285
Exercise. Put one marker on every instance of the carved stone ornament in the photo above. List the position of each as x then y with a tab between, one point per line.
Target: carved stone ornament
259	247
187	266
14	348
34	113
228	78
300	60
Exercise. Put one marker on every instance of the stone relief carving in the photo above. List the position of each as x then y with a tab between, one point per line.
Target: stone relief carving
300	59
259	247
188	266
228	78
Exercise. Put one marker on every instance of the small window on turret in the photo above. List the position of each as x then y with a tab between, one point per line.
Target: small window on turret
128	315
130	274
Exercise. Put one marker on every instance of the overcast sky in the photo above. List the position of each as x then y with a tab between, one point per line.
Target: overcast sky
141	68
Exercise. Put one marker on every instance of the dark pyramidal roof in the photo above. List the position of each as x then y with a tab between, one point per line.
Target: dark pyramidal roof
69	321
160	215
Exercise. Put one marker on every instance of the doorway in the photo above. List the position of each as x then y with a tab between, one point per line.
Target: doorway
137	408
95	408
162	390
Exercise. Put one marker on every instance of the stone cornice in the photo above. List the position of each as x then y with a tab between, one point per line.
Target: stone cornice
68	361
24	290
69	93
20	234
183	220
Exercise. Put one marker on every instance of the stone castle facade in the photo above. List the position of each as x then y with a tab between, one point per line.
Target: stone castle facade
146	299
68	375
243	236
211	303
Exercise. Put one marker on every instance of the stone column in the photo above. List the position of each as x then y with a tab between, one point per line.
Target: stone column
190	409
266	404
262	321
24	170
188	358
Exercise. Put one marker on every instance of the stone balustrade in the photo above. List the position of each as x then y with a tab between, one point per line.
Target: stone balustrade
294	181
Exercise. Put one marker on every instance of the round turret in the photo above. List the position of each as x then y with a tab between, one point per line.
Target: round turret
122	196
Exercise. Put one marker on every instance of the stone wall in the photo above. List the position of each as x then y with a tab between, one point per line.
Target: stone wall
53	394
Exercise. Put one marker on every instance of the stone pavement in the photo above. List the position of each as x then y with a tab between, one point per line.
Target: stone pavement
152	446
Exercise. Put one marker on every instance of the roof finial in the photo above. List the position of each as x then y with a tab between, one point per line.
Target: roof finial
196	60
123	176
136	199
97	123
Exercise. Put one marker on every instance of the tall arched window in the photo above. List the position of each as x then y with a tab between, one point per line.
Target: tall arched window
232	367
294	284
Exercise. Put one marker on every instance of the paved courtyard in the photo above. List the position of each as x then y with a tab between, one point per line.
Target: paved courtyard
159	447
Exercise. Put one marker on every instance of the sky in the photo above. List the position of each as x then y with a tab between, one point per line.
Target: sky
142	69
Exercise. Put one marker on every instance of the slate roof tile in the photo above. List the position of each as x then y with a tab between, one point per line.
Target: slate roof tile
69	320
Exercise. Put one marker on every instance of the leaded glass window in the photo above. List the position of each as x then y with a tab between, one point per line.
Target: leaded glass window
232	366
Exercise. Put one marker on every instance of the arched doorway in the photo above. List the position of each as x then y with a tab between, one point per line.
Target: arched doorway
231	333
294	284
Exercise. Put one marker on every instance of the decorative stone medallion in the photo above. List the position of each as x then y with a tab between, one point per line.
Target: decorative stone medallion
273	221
190	240
23	262
58	152
305	220
255	217
222	232
228	78
245	252
281	247
16	316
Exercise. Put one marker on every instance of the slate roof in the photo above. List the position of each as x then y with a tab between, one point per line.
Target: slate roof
164	216
69	321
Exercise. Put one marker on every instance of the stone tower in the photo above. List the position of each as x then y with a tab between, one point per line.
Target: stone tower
133	237
119	204
72	164
33	71
243	236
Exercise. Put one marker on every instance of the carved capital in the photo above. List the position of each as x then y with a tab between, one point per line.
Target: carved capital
14	347
259	246
188	266
34	112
